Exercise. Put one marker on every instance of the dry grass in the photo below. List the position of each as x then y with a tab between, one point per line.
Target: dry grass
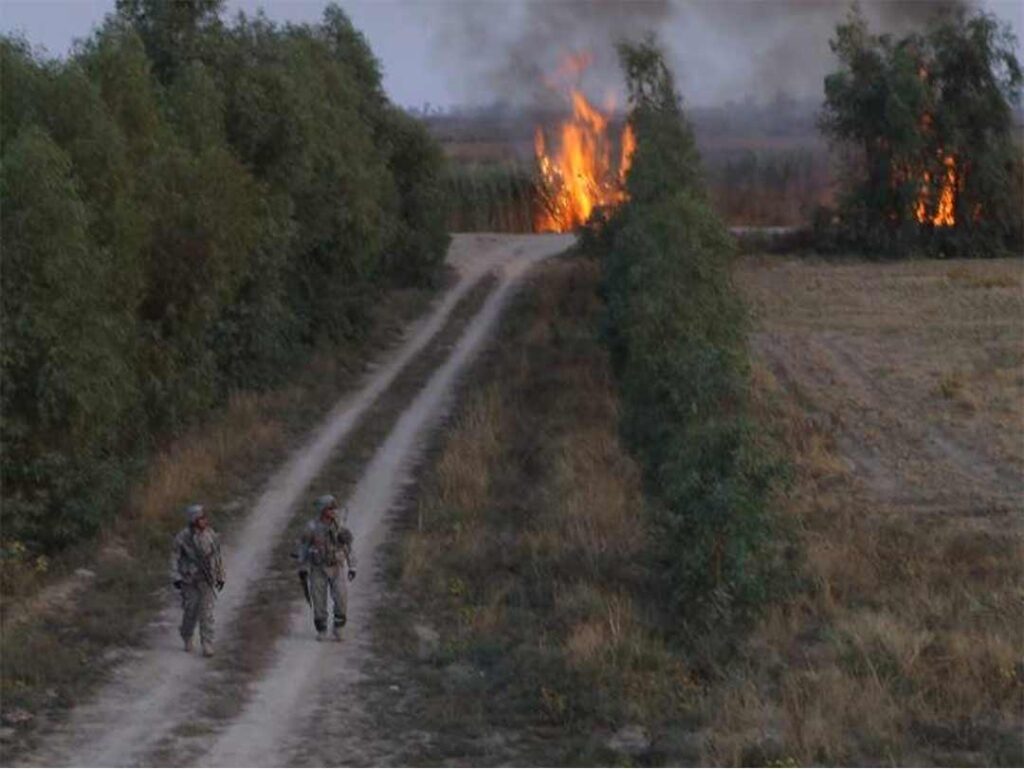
905	646
56	619
529	545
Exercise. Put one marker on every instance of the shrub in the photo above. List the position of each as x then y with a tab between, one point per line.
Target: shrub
677	332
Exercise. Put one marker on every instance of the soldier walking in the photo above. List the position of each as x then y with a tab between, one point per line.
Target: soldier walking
197	571
325	555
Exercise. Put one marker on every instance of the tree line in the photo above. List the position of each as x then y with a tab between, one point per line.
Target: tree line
676	330
188	207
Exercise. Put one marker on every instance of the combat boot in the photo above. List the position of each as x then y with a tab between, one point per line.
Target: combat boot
321	635
188	645
207	648
336	633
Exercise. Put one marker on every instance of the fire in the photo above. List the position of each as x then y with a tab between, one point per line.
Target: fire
580	177
944	215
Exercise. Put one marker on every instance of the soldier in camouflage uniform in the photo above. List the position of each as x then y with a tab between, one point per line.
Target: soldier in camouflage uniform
197	571
325	554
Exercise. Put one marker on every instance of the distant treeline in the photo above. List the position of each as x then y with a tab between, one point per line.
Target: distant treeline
188	207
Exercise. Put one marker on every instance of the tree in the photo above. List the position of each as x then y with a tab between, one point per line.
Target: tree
926	122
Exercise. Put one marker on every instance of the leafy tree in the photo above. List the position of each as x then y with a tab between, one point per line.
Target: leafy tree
186	208
175	33
67	381
676	329
924	116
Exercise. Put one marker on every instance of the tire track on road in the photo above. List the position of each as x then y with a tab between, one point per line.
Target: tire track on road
272	728
153	692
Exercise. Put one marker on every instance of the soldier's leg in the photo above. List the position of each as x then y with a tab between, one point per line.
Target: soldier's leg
318	594
207	599
189	611
339	597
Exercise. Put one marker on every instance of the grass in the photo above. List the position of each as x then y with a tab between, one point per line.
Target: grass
904	646
524	547
58	643
491	197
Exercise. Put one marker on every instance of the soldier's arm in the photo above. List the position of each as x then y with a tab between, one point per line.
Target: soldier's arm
302	550
217	561
347	540
176	559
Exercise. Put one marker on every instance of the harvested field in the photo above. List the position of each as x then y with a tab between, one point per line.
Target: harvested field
898	391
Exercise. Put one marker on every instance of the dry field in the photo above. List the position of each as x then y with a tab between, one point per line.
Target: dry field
897	389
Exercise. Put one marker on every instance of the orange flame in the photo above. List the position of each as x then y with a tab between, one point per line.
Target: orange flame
579	177
944	215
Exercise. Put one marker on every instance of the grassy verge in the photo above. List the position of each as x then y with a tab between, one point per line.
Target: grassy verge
523	550
63	630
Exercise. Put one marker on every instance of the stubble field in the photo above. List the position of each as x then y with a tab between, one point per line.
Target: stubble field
898	391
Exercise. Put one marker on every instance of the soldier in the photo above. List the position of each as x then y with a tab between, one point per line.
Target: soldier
197	571
324	551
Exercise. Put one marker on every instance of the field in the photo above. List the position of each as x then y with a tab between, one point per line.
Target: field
898	392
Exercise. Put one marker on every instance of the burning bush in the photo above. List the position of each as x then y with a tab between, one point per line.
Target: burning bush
926	123
578	177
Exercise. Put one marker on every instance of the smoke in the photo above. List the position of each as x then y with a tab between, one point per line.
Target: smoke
720	49
514	52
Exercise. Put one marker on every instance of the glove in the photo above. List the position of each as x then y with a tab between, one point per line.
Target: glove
351	574
303	574
220	585
177	584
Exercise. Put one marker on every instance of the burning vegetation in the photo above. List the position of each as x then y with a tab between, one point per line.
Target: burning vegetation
935	166
577	174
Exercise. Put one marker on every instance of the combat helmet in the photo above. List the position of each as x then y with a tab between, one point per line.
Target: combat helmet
194	513
325	502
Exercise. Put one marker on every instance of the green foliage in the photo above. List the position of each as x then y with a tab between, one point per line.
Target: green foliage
677	332
903	107
65	355
187	209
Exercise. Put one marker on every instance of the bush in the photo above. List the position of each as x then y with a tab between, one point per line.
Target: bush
677	332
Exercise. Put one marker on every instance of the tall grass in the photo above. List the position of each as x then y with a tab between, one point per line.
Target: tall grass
491	197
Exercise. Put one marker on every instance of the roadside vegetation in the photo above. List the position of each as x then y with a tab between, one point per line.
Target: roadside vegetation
491	196
207	230
190	209
594	535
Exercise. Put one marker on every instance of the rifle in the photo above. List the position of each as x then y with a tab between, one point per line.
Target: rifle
204	565
304	579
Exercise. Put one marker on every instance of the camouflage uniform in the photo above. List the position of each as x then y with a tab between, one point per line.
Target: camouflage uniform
197	566
325	551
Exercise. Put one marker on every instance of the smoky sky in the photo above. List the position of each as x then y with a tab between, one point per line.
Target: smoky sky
721	50
449	52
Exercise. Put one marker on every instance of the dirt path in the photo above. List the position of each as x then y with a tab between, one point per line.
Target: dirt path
154	693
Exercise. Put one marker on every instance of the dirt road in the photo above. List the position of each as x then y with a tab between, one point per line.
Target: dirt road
150	711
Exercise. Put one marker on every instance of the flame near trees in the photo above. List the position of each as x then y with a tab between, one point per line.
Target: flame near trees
579	176
944	212
927	131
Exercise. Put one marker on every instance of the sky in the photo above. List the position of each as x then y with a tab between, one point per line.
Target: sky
449	52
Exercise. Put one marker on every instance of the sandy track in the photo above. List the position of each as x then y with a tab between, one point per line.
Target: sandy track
154	692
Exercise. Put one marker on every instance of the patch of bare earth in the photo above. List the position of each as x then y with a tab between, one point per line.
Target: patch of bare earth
899	391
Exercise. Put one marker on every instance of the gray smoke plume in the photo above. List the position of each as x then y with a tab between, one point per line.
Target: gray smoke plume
720	49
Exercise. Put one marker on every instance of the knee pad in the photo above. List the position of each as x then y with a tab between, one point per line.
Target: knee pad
340	620
320	625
